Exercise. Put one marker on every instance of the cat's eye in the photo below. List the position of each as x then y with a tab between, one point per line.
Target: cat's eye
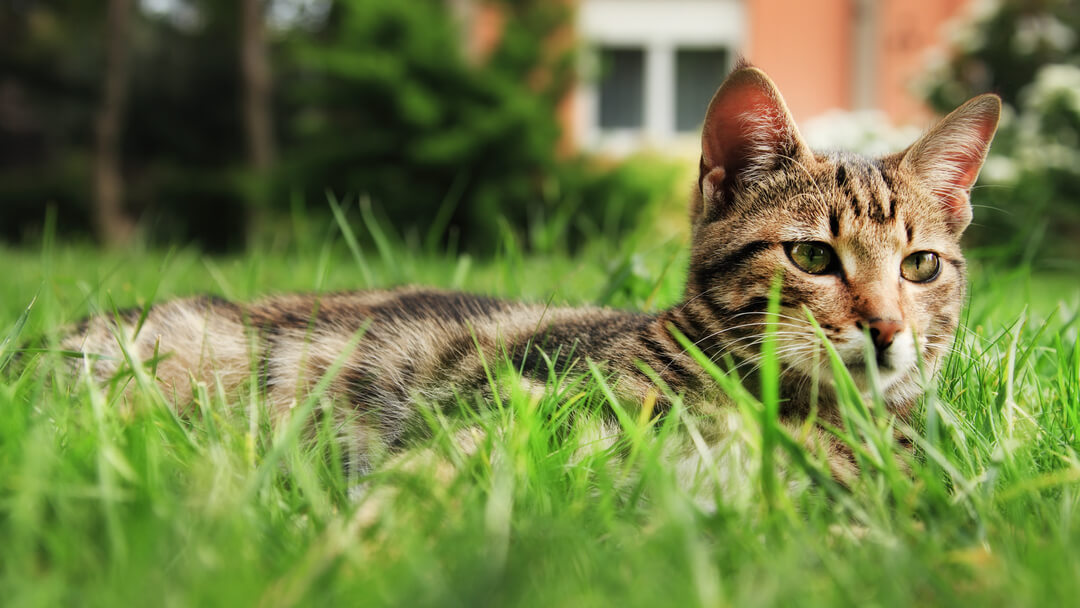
921	267
815	258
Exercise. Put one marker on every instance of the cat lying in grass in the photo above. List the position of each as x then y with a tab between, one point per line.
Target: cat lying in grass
869	247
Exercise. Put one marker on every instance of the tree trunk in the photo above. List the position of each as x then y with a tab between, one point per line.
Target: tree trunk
112	226
255	71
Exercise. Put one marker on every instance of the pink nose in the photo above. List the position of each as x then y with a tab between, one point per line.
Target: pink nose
882	331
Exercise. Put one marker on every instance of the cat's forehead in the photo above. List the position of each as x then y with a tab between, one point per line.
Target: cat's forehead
840	196
845	170
860	191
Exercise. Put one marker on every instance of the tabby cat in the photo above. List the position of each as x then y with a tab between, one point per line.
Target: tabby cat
869	246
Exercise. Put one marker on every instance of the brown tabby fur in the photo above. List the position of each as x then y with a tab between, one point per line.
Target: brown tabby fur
759	188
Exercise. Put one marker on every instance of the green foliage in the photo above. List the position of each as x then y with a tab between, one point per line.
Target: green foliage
49	95
1003	48
1029	53
182	140
385	104
375	99
108	498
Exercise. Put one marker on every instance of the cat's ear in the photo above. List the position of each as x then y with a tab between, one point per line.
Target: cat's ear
748	130
948	158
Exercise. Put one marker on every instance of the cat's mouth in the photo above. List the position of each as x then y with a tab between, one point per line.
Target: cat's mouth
883	363
885	369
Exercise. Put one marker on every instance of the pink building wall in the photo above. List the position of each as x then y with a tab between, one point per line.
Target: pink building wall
805	47
809	49
909	30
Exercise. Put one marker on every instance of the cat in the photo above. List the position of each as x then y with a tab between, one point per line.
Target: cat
868	246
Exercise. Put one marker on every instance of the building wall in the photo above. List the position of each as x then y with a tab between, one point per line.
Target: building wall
849	54
806	48
908	30
824	55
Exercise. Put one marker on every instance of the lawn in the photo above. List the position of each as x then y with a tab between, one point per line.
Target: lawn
114	500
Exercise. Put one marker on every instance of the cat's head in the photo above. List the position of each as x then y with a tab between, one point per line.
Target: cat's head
869	246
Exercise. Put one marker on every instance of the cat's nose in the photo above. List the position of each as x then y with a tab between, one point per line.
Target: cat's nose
882	331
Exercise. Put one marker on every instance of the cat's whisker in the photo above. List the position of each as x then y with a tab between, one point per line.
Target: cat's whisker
759	358
948	351
700	294
749	341
737	348
737	340
813	180
779	315
797	336
725	330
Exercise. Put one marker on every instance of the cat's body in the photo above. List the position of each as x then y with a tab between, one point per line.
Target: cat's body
868	246
398	347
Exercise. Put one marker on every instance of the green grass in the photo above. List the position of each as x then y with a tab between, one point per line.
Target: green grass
107	500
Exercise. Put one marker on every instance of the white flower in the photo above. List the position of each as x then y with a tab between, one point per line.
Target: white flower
1053	83
999	170
1042	31
865	132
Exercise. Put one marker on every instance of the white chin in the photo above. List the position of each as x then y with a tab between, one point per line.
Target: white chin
886	377
901	364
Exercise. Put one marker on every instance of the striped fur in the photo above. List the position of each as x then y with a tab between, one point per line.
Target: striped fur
760	191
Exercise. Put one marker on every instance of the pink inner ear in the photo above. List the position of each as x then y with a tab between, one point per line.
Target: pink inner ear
970	162
967	164
739	123
960	181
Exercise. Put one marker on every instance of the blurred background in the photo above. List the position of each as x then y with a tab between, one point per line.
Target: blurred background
460	121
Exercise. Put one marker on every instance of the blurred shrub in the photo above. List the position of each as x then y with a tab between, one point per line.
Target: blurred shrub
867	132
382	102
1033	174
590	199
1028	196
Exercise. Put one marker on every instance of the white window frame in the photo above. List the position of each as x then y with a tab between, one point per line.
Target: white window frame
658	27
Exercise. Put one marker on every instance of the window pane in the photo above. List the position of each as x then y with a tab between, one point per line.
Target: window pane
622	88
697	74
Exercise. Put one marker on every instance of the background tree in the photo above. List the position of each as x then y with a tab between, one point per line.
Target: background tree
51	57
112	224
257	94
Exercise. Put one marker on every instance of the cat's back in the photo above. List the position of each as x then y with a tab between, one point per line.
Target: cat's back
384	312
423	316
424	335
388	344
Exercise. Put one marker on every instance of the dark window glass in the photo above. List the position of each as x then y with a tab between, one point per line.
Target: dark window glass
697	74
622	88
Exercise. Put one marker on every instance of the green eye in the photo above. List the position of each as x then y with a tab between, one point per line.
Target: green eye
921	267
815	258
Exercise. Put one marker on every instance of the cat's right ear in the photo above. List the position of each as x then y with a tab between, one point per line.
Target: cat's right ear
948	158
748	130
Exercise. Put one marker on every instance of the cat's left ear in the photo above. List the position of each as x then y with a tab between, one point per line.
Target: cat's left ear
748	131
948	158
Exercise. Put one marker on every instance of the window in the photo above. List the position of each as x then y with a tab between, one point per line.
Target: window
697	74
622	88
